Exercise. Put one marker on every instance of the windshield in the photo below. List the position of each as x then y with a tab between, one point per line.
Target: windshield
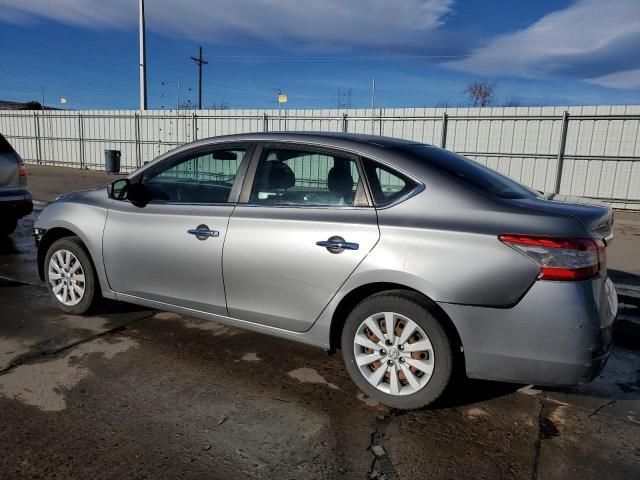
469	172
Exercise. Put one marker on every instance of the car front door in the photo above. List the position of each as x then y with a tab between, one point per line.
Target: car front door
169	250
296	236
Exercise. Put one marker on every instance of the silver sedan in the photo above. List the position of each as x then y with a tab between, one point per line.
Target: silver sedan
410	259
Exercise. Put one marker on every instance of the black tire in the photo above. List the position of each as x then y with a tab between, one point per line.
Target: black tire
91	291
413	307
8	225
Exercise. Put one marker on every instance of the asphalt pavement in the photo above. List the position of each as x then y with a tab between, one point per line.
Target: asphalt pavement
135	393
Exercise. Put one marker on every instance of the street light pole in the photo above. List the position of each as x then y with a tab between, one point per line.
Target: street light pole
143	58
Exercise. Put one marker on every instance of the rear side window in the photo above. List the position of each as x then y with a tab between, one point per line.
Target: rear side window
386	184
306	178
472	173
5	146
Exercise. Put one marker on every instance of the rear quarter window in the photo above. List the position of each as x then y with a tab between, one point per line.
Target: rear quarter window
387	185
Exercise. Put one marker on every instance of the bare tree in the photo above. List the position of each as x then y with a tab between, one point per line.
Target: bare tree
32	105
481	93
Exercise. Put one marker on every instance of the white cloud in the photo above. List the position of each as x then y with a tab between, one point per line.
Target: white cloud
629	79
312	22
589	39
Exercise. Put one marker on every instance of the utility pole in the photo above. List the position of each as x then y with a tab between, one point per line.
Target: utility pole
143	58
199	61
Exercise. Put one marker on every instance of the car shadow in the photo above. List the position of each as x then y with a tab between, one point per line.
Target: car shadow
465	391
7	245
108	306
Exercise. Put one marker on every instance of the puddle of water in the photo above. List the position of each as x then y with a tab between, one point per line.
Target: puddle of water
216	329
548	429
44	384
309	375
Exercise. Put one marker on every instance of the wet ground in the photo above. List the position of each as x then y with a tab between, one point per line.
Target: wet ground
133	393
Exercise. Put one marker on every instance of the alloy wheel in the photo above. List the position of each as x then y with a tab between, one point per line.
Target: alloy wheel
393	353
66	277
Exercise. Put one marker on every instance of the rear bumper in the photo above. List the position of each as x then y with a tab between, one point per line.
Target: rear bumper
16	202
560	333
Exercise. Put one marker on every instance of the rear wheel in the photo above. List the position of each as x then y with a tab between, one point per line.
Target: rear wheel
8	225
396	350
70	276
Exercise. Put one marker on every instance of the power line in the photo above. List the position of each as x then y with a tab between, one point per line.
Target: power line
199	61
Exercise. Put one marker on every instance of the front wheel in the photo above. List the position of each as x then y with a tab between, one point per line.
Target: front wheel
396	350
70	276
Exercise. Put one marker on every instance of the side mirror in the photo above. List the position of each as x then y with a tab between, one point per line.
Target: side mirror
138	194
118	190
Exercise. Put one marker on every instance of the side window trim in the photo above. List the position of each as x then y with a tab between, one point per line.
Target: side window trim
374	182
248	147
249	180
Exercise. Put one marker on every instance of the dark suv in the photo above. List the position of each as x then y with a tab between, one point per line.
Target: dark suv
15	199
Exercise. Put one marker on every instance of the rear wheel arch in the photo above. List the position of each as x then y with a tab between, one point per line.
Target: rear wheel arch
355	296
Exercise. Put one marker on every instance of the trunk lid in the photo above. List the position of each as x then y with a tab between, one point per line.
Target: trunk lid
596	216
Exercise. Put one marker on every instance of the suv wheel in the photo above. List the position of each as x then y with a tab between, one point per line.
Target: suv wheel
396	350
70	275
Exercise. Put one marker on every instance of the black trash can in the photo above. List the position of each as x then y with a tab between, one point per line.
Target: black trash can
112	161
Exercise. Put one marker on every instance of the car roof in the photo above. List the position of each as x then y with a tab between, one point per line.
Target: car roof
317	137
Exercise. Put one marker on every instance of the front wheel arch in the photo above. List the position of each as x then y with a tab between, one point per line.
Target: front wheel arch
49	238
45	243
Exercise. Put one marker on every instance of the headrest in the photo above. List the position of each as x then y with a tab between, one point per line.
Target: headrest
340	180
280	175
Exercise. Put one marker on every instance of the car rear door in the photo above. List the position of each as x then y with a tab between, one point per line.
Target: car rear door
303	224
170	250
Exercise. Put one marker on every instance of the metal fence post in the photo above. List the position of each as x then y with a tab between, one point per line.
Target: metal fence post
380	122
37	138
137	130
265	122
344	122
561	147
194	125
443	138
81	140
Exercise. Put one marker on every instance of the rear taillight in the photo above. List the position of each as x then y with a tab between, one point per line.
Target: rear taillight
22	171
560	258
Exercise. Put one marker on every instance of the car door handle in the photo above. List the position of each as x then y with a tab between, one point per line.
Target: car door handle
202	232
337	244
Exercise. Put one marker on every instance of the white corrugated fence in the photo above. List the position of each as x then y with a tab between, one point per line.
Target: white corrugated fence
586	151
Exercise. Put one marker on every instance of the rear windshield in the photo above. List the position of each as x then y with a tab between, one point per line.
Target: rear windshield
5	147
472	173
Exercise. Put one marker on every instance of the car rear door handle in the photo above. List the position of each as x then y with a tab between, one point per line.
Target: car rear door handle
202	232
337	244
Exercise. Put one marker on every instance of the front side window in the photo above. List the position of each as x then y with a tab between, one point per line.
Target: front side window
205	177
386	184
303	177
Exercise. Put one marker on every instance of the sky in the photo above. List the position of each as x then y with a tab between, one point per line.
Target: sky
420	52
